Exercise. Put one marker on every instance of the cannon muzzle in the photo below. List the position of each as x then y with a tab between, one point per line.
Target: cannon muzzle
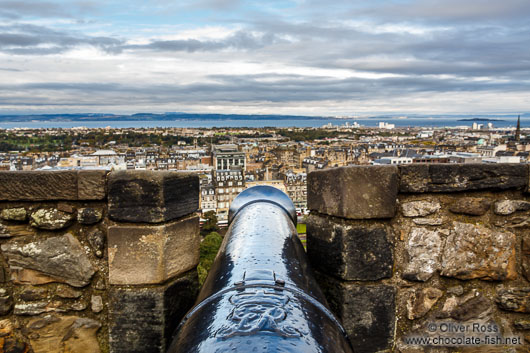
260	294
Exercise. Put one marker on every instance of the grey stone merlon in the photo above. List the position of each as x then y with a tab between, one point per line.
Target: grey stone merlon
152	197
350	250
160	251
368	313
144	319
357	192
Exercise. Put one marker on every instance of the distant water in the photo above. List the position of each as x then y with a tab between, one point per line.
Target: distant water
399	122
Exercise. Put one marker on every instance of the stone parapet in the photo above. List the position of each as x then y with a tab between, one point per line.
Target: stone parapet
73	279
53	185
419	178
456	250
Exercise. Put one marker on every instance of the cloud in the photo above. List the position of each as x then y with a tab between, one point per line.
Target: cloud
454	10
9	69
26	39
232	52
239	41
21	9
284	89
223	5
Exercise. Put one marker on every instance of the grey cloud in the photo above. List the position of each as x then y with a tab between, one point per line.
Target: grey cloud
20	9
425	11
8	69
24	39
250	88
240	40
470	51
456	10
219	4
14	39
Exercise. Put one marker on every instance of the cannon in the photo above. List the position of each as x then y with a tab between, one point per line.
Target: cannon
260	294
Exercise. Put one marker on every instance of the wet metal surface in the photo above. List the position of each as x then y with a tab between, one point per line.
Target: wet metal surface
260	295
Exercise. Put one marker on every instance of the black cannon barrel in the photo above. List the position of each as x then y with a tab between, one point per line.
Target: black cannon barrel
260	295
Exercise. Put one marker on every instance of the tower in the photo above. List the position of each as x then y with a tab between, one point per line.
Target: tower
518	129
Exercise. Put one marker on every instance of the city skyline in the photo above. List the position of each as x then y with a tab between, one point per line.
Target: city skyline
283	57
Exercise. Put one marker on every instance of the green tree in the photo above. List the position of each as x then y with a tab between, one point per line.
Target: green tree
210	223
208	250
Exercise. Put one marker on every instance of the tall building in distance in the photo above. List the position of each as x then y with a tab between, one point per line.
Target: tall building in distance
225	157
228	177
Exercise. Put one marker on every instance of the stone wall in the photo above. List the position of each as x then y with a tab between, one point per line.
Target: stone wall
96	262
439	252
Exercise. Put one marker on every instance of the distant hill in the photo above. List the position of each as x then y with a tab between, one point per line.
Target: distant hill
481	119
151	117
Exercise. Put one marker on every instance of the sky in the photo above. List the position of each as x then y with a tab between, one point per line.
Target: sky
310	57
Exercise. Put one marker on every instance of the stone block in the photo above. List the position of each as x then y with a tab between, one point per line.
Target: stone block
152	254
473	206
366	312
18	214
473	251
38	185
420	301
54	334
507	207
13	344
152	197
97	241
6	302
53	259
460	177
51	219
31	293
423	249
144	319
514	299
351	251
92	184
472	305
420	208
89	215
354	192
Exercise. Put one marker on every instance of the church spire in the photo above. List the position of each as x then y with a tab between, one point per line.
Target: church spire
518	129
